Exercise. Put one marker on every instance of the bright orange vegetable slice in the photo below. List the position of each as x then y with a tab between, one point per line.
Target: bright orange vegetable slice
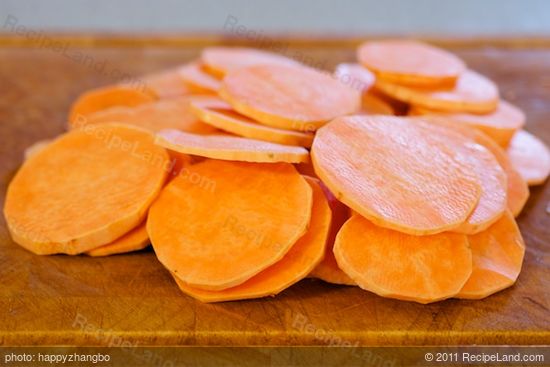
198	80
135	240
530	156
410	62
35	148
501	125
304	255
165	84
392	264
106	97
387	169
266	209
226	119
85	189
497	259
231	148
374	105
472	93
220	61
174	113
288	97
354	76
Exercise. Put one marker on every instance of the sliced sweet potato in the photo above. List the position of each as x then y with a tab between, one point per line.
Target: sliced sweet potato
288	97
410	62
231	148
304	255
103	98
245	216
354	76
228	120
497	259
174	113
371	104
392	264
85	189
530	156
500	124
35	148
197	79
387	169
166	83
135	240
220	61
328	269
471	93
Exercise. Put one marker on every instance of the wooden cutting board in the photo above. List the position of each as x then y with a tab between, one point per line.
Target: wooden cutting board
61	300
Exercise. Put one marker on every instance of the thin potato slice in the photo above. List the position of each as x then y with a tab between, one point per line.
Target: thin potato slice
245	216
230	148
354	76
472	93
392	264
226	119
388	170
198	80
530	156
497	258
165	84
85	189
135	240
288	97
371	104
35	148
304	255
410	62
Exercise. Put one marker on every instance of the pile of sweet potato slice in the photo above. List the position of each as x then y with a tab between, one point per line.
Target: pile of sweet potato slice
248	171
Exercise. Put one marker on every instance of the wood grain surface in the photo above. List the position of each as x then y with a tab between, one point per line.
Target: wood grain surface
62	300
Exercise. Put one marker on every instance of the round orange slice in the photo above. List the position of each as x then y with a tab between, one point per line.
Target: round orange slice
497	258
304	255
243	216
198	80
289	97
392	264
135	240
354	76
530	156
220	61
165	84
225	119
386	169
410	62
472	93
85	189
230	148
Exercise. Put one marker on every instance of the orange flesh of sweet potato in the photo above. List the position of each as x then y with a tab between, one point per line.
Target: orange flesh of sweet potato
497	258
354	76
288	97
244	215
231	148
393	264
387	169
165	84
85	189
304	255
410	62
135	240
226	119
530	156
197	79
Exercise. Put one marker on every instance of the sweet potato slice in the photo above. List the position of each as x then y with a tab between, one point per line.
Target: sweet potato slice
85	189
386	169
497	259
226	119
328	270
35	148
231	148
289	97
106	97
174	113
392	264
410	62
471	93
354	76
135	240
245	216
220	61
501	124
374	105
530	156
165	84
197	79
304	255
